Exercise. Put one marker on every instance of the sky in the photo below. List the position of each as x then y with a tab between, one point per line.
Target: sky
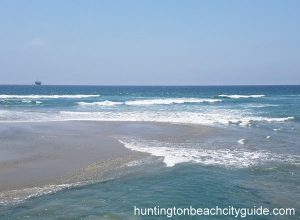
150	42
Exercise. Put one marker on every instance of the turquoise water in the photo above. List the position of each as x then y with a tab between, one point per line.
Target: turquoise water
218	105
252	160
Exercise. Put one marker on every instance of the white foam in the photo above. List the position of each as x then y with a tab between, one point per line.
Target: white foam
170	101
145	161
210	118
268	137
18	101
31	101
103	103
216	117
26	101
150	102
241	141
18	196
174	154
261	105
241	96
279	119
78	96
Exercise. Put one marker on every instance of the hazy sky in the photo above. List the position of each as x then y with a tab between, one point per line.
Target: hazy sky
154	42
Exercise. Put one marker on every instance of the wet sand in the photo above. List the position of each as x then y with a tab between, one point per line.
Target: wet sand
35	154
39	154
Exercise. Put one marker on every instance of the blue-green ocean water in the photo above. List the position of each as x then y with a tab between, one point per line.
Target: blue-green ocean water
252	161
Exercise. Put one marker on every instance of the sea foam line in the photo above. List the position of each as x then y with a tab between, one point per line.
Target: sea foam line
18	196
78	96
222	117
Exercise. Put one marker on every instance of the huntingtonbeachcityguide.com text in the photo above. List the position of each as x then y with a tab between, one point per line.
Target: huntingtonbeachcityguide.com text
213	211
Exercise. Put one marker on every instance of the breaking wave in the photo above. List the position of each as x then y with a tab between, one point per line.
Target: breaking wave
175	154
221	117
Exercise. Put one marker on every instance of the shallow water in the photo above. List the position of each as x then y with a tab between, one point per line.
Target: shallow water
182	186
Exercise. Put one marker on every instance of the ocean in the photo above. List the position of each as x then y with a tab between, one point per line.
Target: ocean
249	156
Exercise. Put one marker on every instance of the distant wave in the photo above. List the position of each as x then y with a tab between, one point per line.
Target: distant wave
241	96
150	102
79	96
179	153
23	101
261	105
103	103
170	101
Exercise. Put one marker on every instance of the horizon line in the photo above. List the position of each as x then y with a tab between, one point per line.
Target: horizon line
153	85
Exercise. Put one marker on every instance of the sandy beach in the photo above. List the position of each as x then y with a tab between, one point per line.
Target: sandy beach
55	153
38	154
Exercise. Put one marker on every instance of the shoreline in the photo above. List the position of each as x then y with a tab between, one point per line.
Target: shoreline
41	155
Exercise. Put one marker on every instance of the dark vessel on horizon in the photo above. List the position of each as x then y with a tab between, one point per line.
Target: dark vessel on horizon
38	83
